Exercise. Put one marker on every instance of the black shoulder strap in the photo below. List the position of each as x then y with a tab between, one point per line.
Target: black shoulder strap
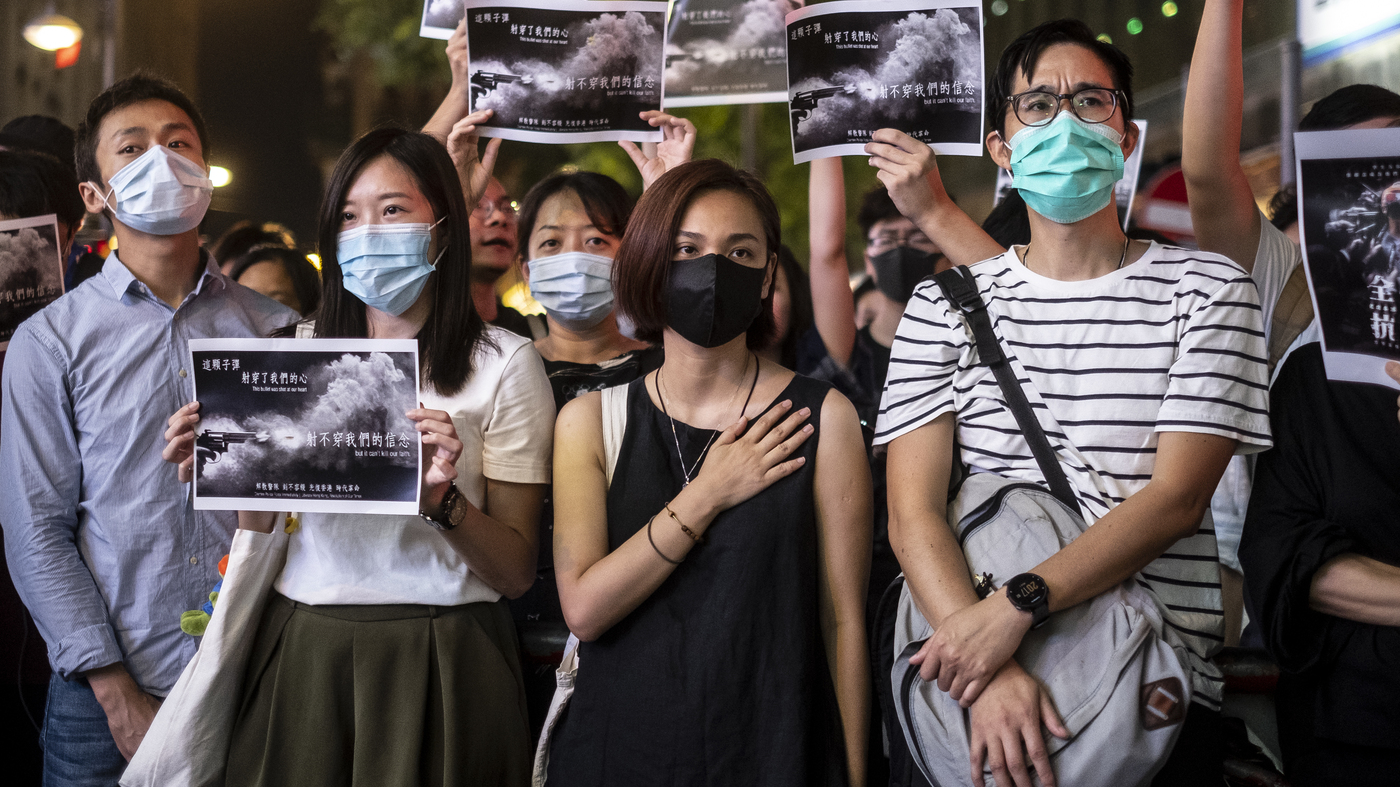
960	289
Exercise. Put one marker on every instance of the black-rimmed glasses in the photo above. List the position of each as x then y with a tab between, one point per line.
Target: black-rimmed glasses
1038	107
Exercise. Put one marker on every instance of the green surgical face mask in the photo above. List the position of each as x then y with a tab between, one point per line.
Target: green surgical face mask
1065	169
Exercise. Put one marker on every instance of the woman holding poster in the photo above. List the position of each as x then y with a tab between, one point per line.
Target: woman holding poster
383	656
717	582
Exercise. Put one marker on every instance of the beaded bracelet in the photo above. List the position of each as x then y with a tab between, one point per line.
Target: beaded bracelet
696	537
658	549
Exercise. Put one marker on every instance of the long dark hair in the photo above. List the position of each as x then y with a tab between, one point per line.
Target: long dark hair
448	342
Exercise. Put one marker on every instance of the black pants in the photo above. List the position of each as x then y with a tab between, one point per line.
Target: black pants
1199	757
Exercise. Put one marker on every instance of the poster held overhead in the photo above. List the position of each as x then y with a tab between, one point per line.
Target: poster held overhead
31	270
566	71
440	18
1349	227
855	66
313	425
726	52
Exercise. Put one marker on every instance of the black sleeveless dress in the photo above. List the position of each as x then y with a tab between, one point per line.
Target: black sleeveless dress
720	678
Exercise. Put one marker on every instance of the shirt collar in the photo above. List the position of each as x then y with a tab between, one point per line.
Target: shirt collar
123	280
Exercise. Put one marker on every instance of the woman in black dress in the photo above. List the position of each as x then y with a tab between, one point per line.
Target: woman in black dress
718	584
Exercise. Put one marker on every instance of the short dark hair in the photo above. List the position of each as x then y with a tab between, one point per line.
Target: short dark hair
799	306
36	184
1283	207
875	207
42	133
246	235
642	268
1350	105
604	200
136	88
306	282
447	344
1023	54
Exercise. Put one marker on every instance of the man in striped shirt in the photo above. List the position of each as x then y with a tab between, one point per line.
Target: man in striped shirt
1146	367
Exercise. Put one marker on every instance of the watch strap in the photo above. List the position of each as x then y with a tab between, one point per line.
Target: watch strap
449	505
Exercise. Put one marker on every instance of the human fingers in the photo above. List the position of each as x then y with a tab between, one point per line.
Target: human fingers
996	762
979	755
790	445
1038	753
177	447
780	471
181	426
633	152
971	691
185	470
764	423
422	413
1013	753
957	687
896	138
446	470
1051	717
788	426
192	407
488	158
888	152
449	447
932	665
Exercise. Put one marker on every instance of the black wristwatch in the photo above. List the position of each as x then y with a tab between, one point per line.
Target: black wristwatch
449	506
1029	593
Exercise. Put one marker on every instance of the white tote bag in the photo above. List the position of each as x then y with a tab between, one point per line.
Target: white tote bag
614	428
188	742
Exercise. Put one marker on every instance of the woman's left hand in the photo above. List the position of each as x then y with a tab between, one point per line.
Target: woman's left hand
966	651
441	448
654	159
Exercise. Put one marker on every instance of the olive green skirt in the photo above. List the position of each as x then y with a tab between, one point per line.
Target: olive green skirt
381	696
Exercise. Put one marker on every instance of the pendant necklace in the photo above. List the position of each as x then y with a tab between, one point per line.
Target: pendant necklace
704	451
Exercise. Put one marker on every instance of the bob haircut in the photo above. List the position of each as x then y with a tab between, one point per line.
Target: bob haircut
448	342
1022	55
306	281
604	200
642	269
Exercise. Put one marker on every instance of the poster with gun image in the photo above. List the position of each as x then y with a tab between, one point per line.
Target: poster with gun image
306	425
856	66
566	70
726	52
1349	227
31	270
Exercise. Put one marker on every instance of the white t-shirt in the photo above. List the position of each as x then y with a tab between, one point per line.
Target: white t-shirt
504	417
1171	343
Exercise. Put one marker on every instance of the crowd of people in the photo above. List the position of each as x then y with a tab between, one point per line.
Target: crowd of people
720	593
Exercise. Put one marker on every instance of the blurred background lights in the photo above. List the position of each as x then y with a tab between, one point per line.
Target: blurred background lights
52	32
1134	26
315	260
219	176
1169	9
999	7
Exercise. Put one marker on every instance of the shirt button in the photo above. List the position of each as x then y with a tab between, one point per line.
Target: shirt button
194	561
182	373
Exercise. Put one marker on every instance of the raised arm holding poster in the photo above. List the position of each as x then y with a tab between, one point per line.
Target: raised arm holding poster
306	425
1349	227
726	52
566	70
31	270
856	66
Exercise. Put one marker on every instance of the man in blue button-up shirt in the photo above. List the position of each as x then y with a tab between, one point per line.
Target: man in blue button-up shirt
102	542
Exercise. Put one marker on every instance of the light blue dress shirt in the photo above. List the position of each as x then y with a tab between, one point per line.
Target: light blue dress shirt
101	539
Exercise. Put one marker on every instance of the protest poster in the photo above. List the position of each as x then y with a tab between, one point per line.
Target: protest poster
306	425
1124	191
1349	227
31	270
566	70
726	52
440	18
855	66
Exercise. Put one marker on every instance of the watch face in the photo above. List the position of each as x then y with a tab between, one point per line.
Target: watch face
1027	591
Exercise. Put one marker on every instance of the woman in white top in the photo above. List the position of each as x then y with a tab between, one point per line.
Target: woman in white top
385	656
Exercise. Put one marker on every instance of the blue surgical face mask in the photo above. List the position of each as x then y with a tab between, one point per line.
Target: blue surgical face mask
160	192
574	288
386	265
1065	169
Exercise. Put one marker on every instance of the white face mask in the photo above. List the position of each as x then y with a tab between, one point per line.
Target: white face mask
575	288
160	193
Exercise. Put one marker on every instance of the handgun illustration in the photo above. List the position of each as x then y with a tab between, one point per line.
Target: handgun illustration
211	446
483	82
804	102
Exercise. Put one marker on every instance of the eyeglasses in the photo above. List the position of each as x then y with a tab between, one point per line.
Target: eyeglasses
883	243
486	207
1038	107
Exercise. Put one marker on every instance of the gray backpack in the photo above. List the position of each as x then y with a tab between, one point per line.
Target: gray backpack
1116	674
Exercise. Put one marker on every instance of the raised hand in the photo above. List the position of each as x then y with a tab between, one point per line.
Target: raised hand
179	441
743	463
654	159
457	59
473	167
904	165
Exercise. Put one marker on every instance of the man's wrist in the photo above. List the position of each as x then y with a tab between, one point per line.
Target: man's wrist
111	684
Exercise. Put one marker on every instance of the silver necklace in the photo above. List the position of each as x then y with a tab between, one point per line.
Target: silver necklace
706	450
1025	260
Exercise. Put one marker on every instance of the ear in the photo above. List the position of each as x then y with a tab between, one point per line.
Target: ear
1131	136
525	271
1000	153
92	198
770	273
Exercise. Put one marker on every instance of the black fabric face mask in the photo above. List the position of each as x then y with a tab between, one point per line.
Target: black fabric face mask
899	270
712	299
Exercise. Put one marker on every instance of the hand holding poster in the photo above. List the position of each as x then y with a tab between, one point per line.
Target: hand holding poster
858	66
1349	226
306	425
566	70
31	270
726	52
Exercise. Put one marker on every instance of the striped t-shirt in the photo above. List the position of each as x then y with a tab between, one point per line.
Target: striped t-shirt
1171	343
